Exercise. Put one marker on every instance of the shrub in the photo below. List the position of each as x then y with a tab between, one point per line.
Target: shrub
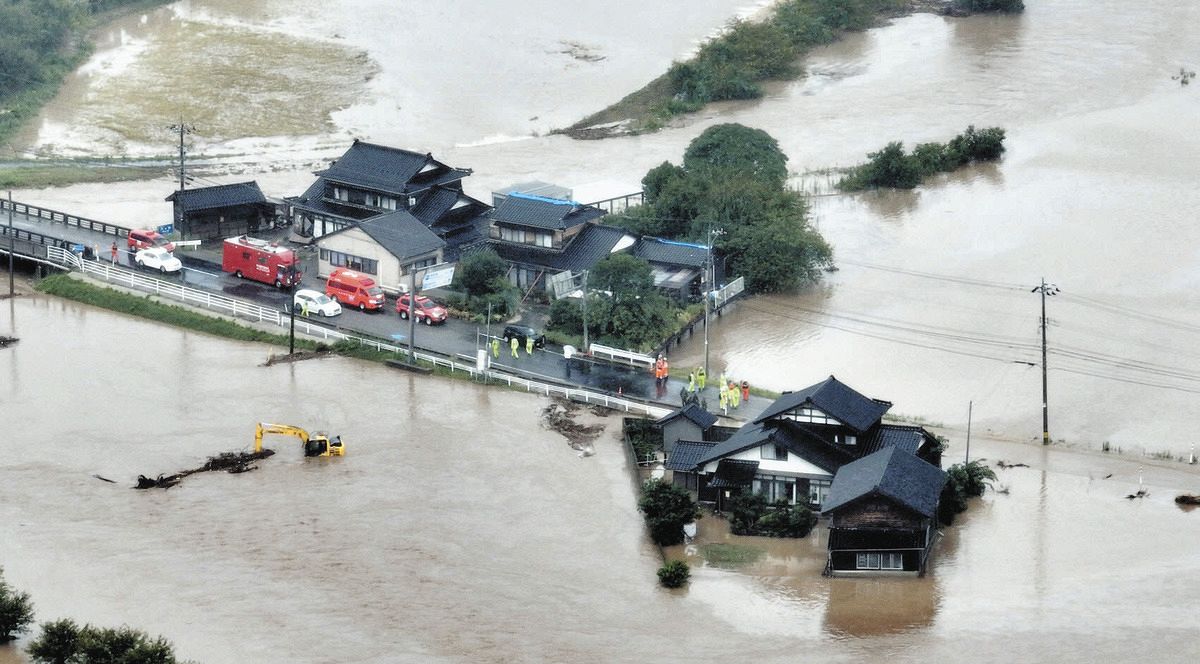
787	521
63	642
674	574
667	508
1006	6
963	481
745	511
891	167
16	611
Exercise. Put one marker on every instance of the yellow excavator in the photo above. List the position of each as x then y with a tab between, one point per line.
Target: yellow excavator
315	445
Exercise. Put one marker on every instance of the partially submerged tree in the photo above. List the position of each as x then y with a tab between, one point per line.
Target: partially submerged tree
963	481
16	611
667	509
65	642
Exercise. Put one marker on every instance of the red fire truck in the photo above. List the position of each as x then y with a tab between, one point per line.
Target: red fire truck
251	258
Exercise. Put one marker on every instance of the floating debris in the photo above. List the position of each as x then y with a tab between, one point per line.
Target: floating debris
230	462
559	416
5	342
1187	499
1002	464
274	359
1142	493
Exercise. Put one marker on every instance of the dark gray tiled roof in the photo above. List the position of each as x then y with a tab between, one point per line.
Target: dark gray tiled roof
904	438
733	473
591	246
388	169
836	400
890	472
700	417
686	454
225	195
669	252
440	203
544	213
400	233
314	199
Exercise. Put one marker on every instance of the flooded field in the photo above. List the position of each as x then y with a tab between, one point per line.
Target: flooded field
458	529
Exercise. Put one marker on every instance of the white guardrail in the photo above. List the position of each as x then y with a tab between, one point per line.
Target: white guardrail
621	355
247	310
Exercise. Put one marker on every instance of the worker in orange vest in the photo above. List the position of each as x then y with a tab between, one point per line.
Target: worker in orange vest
745	390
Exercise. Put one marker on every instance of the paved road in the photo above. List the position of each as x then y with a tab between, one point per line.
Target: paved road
455	337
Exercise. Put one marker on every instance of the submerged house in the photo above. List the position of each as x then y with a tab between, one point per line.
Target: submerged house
883	514
796	447
688	423
677	267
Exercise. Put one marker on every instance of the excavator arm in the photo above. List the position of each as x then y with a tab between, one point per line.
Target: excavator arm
286	429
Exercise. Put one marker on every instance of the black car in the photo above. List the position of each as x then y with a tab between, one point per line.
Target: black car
523	332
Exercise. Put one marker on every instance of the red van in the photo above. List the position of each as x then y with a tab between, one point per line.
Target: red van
252	258
147	239
354	289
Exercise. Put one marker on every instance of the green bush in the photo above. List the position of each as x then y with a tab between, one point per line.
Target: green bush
65	642
892	167
963	481
787	521
16	611
674	574
666	508
1006	6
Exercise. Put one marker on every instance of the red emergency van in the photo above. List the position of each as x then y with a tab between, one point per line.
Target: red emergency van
354	289
252	258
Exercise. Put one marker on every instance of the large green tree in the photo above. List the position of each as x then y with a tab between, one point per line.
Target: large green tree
16	611
65	642
733	150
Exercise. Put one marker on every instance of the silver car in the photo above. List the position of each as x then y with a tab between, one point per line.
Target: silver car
157	258
315	302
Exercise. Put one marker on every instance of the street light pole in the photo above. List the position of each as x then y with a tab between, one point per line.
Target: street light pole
1045	289
710	278
292	309
412	311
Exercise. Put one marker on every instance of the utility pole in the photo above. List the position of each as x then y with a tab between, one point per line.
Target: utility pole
11	246
182	129
710	278
585	320
412	311
1045	289
292	308
970	407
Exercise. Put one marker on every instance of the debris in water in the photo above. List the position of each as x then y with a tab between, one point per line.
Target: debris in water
5	342
296	357
1142	493
1187	499
559	416
230	462
1002	464
104	479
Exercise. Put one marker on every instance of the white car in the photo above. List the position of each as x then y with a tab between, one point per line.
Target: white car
316	302
157	258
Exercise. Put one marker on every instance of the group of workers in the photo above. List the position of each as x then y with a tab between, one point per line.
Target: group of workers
515	344
730	393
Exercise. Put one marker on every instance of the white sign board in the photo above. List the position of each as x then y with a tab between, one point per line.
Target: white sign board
438	276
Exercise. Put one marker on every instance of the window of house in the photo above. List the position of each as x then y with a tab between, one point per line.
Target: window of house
867	561
775	487
341	193
892	561
818	490
545	240
358	263
512	234
774	452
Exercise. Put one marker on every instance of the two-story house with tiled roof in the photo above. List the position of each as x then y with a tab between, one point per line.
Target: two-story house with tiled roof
793	449
369	180
541	237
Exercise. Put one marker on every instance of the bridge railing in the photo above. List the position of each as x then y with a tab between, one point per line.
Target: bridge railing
247	310
65	218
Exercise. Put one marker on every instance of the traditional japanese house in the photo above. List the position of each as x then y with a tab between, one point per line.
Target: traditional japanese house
688	423
883	514
227	210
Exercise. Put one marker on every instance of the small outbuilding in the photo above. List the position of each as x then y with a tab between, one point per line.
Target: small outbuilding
688	423
883	514
226	210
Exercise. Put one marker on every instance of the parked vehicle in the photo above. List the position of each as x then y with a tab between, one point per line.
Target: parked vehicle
523	332
315	302
428	311
354	289
146	239
157	258
252	258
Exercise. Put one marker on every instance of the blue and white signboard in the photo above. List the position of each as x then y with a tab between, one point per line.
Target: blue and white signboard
166	229
438	276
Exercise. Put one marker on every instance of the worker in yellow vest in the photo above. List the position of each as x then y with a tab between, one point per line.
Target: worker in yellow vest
701	378
516	343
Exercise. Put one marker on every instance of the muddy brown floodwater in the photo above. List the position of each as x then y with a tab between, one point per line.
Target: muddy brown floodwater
459	529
